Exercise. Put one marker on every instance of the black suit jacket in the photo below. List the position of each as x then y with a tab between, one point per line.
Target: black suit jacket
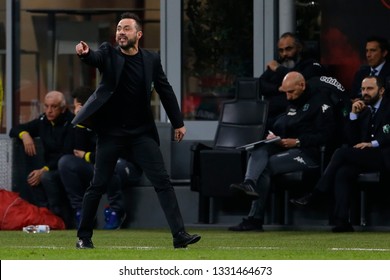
357	130
365	71
110	62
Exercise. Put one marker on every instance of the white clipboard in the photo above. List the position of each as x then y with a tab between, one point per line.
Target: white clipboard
250	146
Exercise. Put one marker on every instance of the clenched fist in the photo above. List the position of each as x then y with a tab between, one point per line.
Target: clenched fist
82	48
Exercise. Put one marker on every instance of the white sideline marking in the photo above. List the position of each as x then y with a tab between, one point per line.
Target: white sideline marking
360	249
150	247
217	248
253	248
39	247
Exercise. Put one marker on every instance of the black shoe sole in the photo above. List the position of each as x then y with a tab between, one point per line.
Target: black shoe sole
84	247
193	240
298	204
238	190
81	245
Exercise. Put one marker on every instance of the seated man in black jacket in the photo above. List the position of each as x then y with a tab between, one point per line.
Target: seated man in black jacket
368	134
76	170
55	131
306	126
291	57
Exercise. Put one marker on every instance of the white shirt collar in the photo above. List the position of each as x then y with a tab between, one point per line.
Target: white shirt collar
379	68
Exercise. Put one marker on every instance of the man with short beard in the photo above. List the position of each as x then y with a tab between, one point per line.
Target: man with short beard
120	113
291	58
368	134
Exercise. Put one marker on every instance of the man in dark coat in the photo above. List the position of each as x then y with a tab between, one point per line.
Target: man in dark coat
377	50
120	113
368	134
292	57
306	126
55	131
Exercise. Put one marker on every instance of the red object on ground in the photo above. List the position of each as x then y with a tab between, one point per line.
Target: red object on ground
16	213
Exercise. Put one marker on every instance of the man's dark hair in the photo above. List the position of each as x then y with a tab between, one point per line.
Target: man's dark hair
383	42
134	17
82	93
297	40
379	81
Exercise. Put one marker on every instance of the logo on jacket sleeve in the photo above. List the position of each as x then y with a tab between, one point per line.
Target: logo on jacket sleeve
325	107
386	129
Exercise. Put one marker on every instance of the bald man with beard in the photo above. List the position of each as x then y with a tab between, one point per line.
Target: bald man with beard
306	125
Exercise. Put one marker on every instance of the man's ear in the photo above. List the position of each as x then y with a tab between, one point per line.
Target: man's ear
381	91
139	34
303	86
385	52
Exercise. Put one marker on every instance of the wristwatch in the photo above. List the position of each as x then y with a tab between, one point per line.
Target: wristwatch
297	143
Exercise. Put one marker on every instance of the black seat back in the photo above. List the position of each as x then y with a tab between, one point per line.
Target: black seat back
247	88
243	119
241	122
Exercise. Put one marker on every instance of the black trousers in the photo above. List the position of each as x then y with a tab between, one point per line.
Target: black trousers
51	194
76	175
143	151
340	175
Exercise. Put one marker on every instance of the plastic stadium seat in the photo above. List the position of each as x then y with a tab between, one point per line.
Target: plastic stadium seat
242	121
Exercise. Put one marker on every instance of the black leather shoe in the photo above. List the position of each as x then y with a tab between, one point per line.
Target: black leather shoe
303	201
246	188
84	243
182	239
347	227
248	225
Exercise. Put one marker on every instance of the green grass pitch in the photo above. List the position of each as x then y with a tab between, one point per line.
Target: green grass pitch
216	244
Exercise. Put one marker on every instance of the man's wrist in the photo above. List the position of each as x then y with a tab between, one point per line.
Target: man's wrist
297	143
87	157
22	133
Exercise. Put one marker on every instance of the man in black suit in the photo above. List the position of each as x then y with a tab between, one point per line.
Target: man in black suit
377	49
368	134
120	113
